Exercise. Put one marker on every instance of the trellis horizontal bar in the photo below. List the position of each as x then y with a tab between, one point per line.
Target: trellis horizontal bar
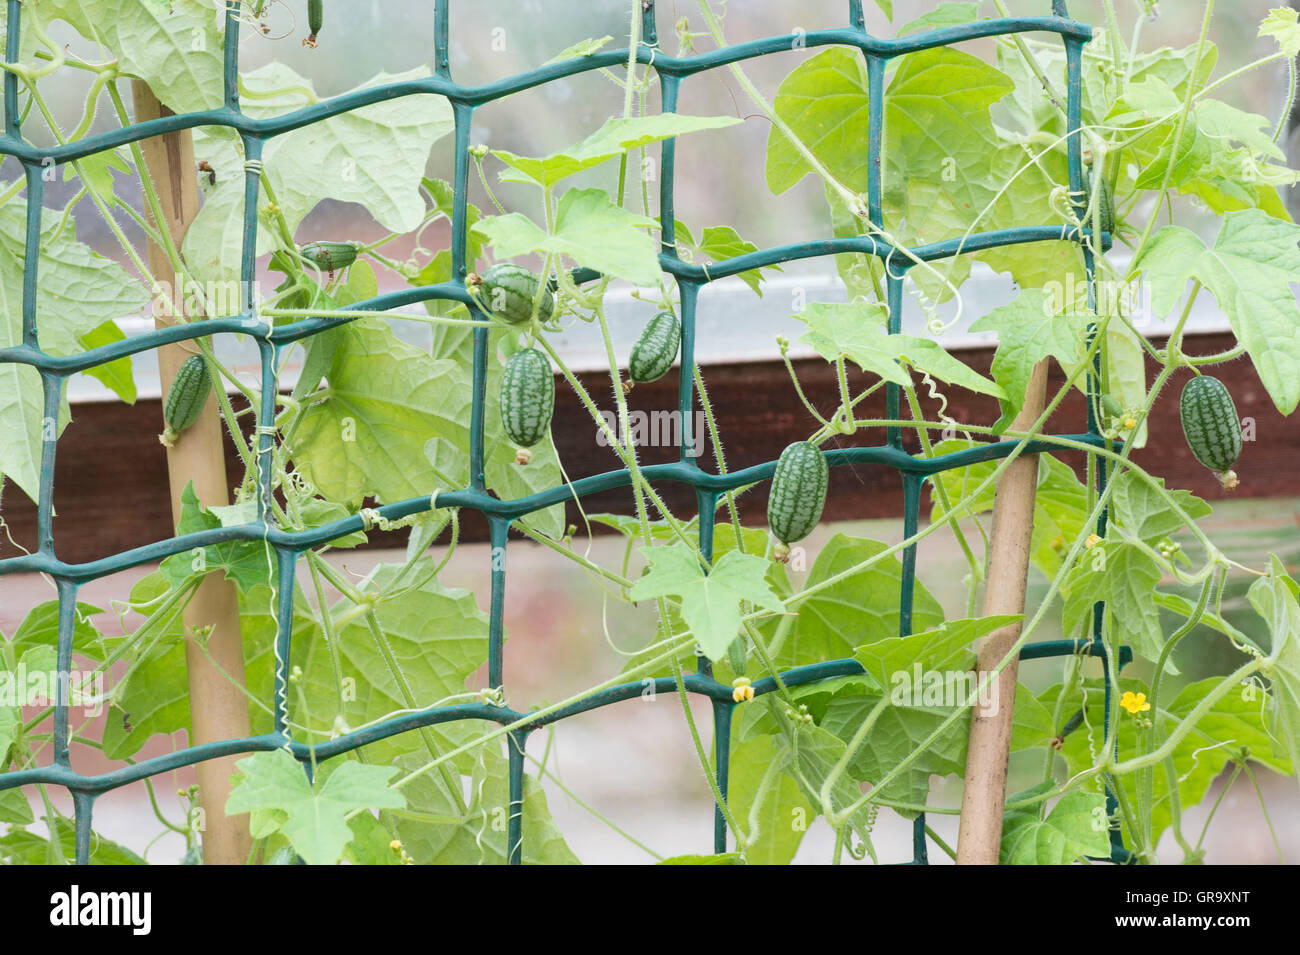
891	255
477	95
686	473
695	683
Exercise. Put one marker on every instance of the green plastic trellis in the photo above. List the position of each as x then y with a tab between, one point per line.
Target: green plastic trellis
672	71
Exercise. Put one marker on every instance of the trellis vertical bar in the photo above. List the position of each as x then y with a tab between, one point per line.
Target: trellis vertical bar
906	600
464	117
52	389
875	137
230	63
266	431
252	185
13	48
83	807
670	85
67	590
722	756
856	18
690	292
911	519
649	32
516	747
893	399
685	402
498	535
441	59
920	850
32	250
285	561
707	505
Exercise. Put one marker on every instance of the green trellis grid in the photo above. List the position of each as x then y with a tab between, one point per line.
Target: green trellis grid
288	545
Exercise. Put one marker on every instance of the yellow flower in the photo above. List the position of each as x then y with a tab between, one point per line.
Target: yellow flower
1135	703
741	691
1092	541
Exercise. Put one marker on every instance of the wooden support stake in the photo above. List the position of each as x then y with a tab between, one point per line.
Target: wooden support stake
980	834
218	707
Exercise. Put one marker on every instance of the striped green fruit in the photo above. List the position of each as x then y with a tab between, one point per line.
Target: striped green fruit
798	492
656	349
1107	203
186	398
508	292
527	397
330	256
1211	426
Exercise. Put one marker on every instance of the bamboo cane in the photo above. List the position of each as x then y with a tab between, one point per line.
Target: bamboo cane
218	707
984	798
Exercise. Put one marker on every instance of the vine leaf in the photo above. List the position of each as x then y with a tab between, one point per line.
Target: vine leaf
719	243
154	697
858	609
1234	728
437	832
777	837
1249	270
97	173
175	47
77	291
1281	25
312	817
1030	328
613	139
825	103
248	563
589	229
437	633
386	399
1060	505
582	48
1274	598
374	156
906	669
892	661
857	331
710	602
1076	827
117	375
949	14
1143	510
1123	575
20	847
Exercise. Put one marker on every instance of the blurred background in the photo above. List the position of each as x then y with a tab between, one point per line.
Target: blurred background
634	763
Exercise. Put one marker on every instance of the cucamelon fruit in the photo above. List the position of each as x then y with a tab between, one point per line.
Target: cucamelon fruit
656	349
1211	426
508	292
1107	202
185	400
527	398
315	20
330	256
798	493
